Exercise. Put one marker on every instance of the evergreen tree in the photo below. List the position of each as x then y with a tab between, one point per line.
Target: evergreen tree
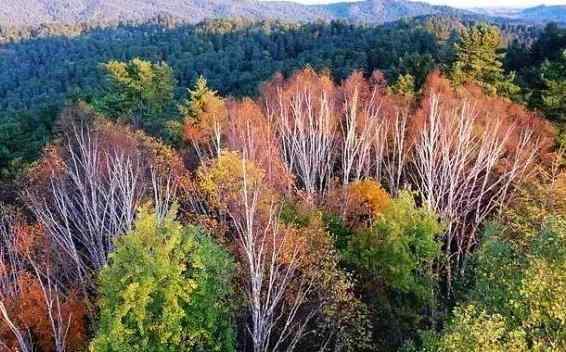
205	116
405	85
554	96
477	60
138	91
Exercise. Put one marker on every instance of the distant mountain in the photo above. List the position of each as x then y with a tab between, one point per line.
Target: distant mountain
34	12
538	14
544	14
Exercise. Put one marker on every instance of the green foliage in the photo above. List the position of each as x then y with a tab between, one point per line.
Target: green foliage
405	85
198	98
166	288
394	260
138	91
541	70
234	56
554	94
517	303
22	136
401	247
475	330
477	60
341	234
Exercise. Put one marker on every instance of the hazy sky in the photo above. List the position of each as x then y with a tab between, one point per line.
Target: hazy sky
469	3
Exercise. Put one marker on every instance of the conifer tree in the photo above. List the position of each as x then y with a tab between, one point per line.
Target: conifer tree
477	60
138	91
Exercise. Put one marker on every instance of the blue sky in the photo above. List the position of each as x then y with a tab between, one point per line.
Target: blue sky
469	3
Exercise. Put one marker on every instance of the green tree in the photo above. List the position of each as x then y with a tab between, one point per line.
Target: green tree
138	91
473	329
401	247
517	303
166	288
554	96
405	85
477	60
394	260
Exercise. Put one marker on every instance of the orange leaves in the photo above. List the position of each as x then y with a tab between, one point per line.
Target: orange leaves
489	112
34	302
212	116
28	238
50	165
359	202
30	310
370	194
253	135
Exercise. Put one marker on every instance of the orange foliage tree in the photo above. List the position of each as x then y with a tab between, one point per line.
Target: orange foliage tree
463	150
469	151
36	310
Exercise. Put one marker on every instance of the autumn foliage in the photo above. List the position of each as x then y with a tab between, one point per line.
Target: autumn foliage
349	208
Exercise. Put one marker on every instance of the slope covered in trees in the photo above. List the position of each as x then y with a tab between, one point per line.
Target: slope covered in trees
37	12
328	208
40	70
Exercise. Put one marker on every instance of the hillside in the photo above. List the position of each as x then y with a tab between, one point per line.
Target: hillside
538	14
544	14
35	12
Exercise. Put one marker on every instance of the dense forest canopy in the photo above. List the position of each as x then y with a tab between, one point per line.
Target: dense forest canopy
265	186
40	70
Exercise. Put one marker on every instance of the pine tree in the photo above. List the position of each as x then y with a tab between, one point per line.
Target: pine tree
477	60
405	85
138	90
205	117
554	96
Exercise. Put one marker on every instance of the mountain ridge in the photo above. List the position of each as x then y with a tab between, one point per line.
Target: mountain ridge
36	12
536	14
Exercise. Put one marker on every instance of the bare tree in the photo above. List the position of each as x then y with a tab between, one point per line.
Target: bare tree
361	126
464	176
52	294
278	321
11	266
392	138
94	200
307	129
17	263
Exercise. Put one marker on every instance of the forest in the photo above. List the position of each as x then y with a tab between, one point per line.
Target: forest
266	187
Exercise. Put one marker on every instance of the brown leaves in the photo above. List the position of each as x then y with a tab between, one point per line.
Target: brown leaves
30	311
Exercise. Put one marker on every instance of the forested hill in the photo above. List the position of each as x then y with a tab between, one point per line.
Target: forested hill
545	14
35	12
537	14
235	56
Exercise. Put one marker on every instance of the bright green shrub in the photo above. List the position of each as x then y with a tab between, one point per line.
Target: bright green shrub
165	288
401	247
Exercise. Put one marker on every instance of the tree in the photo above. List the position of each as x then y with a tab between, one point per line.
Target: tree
477	60
37	310
516	303
86	189
302	109
515	296
554	96
205	119
138	91
166	288
469	153
395	260
405	85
